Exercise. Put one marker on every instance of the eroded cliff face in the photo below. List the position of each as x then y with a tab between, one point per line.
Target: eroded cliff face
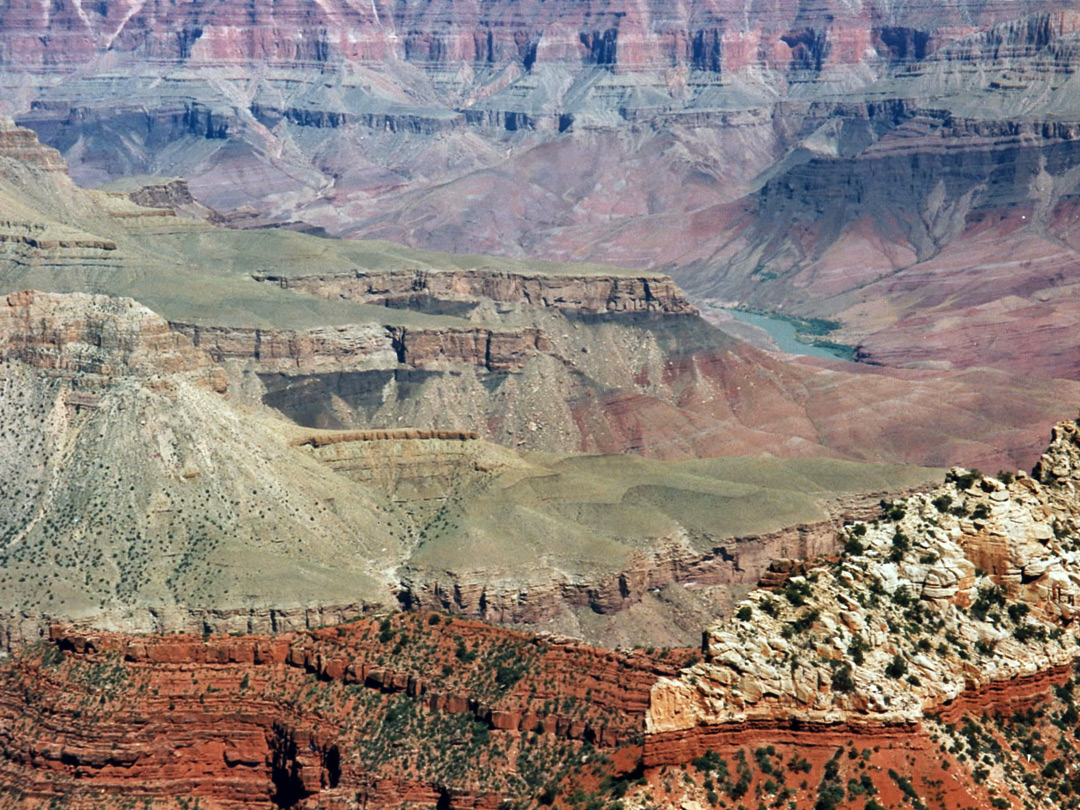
716	38
963	591
386	710
23	146
592	294
317	717
97	338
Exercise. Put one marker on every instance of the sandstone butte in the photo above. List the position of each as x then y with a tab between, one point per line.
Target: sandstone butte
929	665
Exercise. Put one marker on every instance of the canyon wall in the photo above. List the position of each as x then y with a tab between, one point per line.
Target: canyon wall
251	734
96	338
559	290
963	594
769	155
717	37
322	717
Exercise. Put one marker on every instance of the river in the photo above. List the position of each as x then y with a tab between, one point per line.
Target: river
784	331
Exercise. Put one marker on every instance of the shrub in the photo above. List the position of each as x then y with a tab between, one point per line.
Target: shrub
806	621
966	479
942	502
797	592
856	649
386	631
901	544
897	668
709	761
1018	611
842	681
987	598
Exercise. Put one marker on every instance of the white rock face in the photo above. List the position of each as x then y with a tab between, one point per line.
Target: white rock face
973	583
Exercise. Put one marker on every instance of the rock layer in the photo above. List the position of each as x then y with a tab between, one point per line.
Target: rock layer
321	718
967	590
97	338
225	718
592	294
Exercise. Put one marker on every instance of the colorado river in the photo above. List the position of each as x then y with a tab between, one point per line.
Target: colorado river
783	332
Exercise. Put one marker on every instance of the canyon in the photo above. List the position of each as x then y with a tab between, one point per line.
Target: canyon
365	713
410	429
350	334
139	495
904	170
363	442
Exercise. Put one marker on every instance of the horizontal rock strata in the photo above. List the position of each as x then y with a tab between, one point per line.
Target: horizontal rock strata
590	293
958	594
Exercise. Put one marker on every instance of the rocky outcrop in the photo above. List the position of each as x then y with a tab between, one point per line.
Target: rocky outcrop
493	350
587	293
403	434
22	145
286	350
20	629
172	196
98	338
954	595
369	346
231	719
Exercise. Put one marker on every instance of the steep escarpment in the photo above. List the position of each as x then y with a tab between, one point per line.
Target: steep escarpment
560	290
665	386
363	346
318	716
22	145
96	339
932	223
442	34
